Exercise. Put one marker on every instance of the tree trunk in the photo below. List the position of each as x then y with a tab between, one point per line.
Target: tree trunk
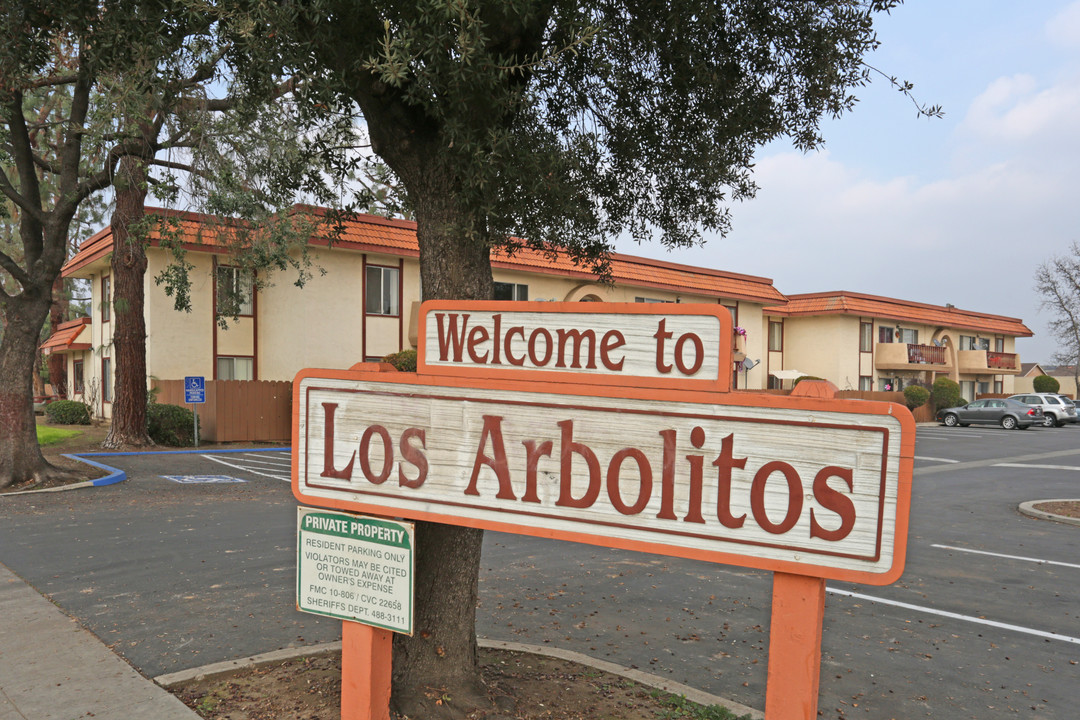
436	672
21	461
58	362
129	334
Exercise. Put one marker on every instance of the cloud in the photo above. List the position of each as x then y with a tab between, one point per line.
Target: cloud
1064	28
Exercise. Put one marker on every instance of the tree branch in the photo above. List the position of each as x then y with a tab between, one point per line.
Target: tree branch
14	269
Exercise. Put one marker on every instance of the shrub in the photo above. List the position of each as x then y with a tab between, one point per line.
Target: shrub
171	425
946	393
1046	383
68	412
804	377
405	361
915	396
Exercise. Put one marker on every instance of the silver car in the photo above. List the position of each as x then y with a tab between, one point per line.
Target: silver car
1057	409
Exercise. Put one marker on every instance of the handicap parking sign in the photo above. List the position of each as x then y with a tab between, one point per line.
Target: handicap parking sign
194	389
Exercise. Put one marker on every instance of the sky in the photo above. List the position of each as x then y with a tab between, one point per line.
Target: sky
957	210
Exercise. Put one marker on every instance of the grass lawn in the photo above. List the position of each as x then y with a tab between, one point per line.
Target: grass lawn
50	436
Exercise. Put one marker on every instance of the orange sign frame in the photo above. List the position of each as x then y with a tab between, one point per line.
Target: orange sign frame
798	590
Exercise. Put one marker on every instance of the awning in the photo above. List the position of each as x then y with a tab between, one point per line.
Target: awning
66	336
787	374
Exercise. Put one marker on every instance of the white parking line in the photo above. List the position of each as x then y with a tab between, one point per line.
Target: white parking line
956	616
268	462
286	478
934	459
949	437
1038	467
1007	557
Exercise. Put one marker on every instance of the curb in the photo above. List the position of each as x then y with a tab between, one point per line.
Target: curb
117	476
692	694
1029	509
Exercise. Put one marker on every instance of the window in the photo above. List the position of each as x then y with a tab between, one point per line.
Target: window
106	380
106	298
234	291
511	291
734	310
908	336
866	383
887	384
648	300
775	383
999	387
884	334
77	376
382	291
984	388
969	342
866	337
776	336
235	368
967	389
999	344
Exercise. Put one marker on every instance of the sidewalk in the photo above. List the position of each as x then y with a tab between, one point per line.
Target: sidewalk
52	669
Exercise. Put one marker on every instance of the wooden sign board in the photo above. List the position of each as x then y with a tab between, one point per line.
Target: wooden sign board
661	345
802	486
612	425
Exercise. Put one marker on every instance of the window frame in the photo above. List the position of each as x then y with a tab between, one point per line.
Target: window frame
395	297
78	375
106	294
233	358
909	333
779	346
237	273
106	380
519	292
866	336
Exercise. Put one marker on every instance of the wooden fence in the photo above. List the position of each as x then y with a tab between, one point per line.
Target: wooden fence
238	410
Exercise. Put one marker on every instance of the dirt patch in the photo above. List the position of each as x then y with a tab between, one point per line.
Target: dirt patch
1068	508
521	687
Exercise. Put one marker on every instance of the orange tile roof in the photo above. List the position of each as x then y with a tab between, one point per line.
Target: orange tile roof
847	303
63	339
371	233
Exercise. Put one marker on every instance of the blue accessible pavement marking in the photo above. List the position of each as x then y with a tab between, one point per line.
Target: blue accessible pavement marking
197	479
116	475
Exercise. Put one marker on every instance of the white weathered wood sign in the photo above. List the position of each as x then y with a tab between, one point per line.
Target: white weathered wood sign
645	345
614	425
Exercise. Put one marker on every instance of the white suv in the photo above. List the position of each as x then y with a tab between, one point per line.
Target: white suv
1057	409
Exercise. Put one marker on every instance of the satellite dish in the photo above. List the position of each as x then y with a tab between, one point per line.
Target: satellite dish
749	364
937	343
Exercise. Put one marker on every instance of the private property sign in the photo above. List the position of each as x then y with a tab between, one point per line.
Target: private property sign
614	424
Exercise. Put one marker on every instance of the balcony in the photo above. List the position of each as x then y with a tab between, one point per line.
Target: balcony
908	356
987	362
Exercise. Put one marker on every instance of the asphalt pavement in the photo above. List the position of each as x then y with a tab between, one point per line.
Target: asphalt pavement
190	561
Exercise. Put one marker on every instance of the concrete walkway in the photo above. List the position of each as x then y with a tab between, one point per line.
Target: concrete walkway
52	669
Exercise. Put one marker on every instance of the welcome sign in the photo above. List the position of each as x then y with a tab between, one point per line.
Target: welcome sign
632	459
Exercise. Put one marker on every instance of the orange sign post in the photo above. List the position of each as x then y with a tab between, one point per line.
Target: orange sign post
614	425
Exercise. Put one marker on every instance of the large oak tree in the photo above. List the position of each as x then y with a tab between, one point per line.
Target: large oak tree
569	124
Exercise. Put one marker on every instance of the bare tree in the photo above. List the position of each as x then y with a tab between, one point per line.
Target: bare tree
1057	282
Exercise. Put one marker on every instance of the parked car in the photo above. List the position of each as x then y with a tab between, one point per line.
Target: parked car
1009	414
1057	409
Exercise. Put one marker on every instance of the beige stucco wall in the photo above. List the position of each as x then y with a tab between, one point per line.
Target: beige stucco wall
826	346
180	343
237	337
317	326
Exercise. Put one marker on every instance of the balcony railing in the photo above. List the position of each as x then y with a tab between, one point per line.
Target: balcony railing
925	354
1000	360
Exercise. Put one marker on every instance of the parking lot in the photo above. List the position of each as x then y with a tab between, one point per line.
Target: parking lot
191	561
